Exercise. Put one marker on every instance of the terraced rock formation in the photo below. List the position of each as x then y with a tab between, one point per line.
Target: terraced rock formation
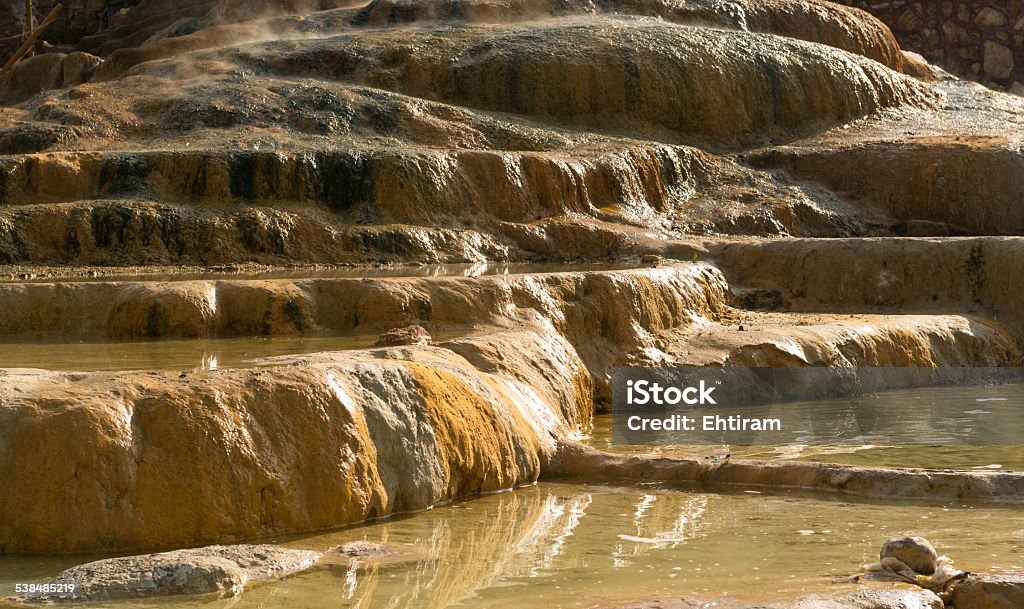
815	197
318	142
308	442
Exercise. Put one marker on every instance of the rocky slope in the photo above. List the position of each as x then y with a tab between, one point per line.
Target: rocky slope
329	136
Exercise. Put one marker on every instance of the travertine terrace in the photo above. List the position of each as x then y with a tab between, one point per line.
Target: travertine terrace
780	165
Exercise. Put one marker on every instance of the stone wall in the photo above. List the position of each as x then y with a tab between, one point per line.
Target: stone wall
80	17
981	40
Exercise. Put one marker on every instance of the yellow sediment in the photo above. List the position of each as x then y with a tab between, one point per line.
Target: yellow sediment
479	450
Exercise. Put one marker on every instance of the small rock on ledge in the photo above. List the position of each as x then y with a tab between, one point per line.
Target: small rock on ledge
221	570
959	589
915	552
411	335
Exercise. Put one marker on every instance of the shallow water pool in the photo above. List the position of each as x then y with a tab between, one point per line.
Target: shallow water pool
557	545
921	427
178	354
469	269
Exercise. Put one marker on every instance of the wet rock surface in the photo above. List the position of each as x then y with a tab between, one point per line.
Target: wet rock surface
578	462
863	599
914	560
290	448
367	554
872	599
213	570
988	592
365	550
407	428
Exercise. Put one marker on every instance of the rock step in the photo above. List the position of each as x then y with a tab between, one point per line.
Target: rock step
671	296
935	185
972	274
579	462
120	232
749	339
827	24
415	186
609	317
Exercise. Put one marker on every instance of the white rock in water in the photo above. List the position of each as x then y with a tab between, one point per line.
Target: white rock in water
221	570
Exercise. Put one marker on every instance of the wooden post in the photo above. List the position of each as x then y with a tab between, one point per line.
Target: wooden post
29	25
36	33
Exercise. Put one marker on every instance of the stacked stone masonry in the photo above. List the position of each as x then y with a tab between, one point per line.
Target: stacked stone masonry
981	40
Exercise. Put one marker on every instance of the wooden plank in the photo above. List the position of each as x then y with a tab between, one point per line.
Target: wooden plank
29	25
30	43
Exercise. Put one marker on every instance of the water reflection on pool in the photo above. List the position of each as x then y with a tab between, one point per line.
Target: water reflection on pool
178	354
556	545
921	427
